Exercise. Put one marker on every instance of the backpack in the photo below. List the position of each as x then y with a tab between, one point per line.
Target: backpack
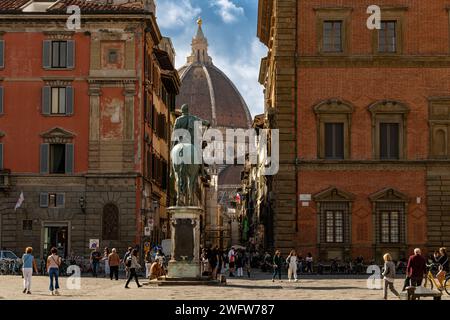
128	261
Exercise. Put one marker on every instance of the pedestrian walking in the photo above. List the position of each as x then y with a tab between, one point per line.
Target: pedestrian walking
277	265
415	270
113	262
389	276
231	261
132	263
248	263
239	264
291	260
29	263
125	257
148	264
106	261
53	263
309	263
95	260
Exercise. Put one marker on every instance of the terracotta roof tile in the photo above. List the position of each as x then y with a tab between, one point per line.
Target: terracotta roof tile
13	6
95	7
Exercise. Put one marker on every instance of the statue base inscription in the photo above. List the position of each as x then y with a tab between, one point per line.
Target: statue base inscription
185	255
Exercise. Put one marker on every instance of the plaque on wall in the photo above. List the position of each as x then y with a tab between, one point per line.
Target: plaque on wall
184	240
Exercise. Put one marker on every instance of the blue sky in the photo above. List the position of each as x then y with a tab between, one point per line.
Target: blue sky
230	26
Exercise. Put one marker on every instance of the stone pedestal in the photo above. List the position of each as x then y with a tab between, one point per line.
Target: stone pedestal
185	255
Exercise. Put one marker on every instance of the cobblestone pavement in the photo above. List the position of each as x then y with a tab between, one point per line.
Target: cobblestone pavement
259	287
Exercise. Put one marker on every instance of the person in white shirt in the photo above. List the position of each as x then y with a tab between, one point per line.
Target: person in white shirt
291	260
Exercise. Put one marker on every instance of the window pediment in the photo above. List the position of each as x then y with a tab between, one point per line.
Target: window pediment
389	106
389	194
57	135
333	106
334	194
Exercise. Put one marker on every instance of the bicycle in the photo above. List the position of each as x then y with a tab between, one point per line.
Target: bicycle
431	281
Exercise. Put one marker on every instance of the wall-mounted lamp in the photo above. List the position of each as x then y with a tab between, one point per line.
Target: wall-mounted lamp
82	203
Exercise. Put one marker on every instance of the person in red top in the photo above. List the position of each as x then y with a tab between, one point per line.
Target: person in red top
417	268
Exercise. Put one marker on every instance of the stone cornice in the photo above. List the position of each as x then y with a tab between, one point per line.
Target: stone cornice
373	165
365	61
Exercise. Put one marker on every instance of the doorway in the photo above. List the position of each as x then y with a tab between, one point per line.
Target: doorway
56	236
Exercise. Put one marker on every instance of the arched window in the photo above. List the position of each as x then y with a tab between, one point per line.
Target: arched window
110	222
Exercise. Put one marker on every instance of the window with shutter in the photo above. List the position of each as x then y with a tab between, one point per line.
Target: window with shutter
69	158
60	199
47	54
44	158
46	100
70	54
58	54
43	200
69	100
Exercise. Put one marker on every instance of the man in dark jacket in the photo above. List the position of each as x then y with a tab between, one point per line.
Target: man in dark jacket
417	268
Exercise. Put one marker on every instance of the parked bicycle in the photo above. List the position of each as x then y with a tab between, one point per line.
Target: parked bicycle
431	281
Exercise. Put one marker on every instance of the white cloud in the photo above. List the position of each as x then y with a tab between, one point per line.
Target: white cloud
228	10
175	13
244	72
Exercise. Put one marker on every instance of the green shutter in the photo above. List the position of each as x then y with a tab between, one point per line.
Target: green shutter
46	100
70	54
47	54
69	158
69	100
2	53
43	200
1	100
60	199
44	156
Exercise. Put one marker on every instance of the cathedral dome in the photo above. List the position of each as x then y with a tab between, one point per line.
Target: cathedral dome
210	94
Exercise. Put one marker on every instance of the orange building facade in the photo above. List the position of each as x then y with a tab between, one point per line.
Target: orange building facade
73	123
368	112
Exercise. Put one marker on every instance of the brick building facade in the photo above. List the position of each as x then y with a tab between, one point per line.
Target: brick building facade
363	117
73	124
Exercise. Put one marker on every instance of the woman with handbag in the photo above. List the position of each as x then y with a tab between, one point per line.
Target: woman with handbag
53	263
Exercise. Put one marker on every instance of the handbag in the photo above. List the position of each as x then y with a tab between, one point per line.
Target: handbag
441	276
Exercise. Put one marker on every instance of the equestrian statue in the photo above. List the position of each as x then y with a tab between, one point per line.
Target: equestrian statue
186	156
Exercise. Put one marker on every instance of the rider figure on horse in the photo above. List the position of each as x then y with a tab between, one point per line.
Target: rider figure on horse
191	138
